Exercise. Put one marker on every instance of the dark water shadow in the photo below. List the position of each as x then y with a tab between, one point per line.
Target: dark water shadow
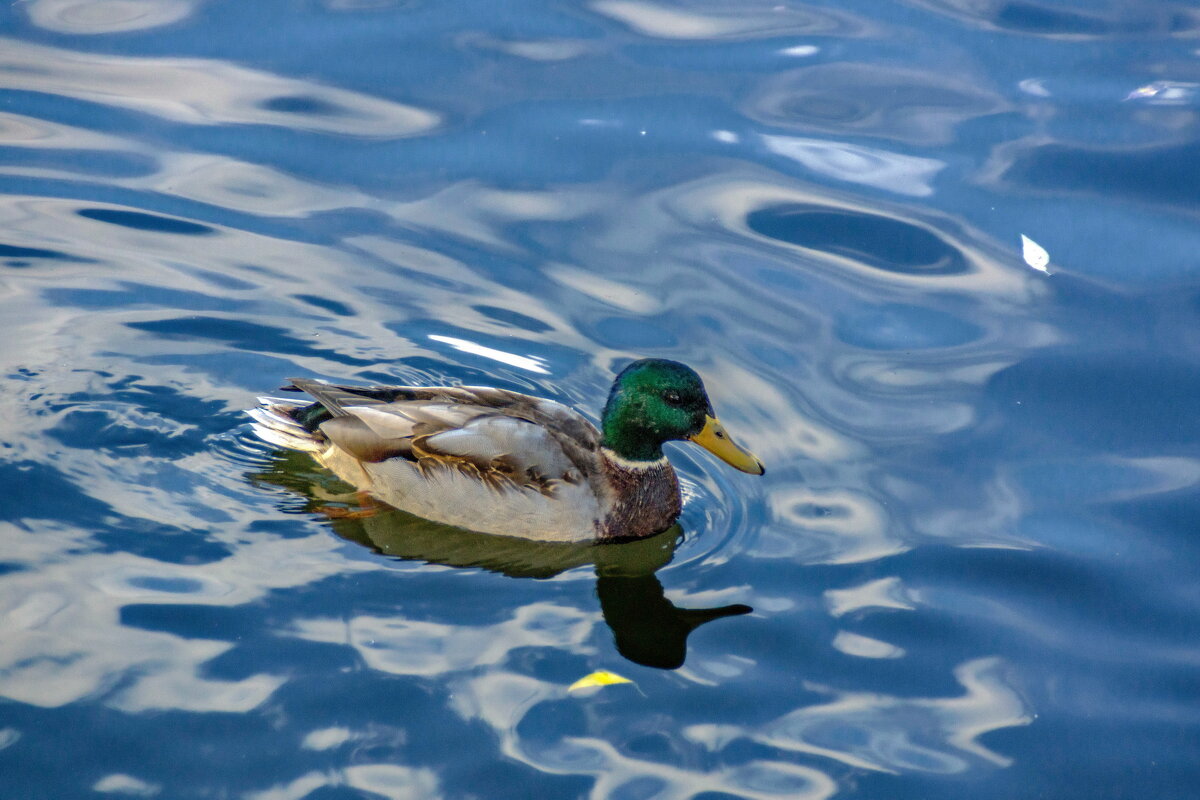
647	628
884	243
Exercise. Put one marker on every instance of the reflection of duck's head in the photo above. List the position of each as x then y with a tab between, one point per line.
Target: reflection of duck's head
495	461
647	627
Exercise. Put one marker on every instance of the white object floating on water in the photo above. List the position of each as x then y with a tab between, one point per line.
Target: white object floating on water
1035	255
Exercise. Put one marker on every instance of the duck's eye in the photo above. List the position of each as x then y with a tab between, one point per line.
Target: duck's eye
673	398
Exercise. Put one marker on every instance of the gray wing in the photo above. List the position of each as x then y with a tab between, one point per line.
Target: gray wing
496	435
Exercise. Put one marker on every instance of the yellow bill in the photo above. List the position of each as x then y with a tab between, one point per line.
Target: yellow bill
715	440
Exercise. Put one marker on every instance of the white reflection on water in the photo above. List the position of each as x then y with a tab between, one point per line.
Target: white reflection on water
326	738
391	781
472	210
228	183
605	290
854	644
106	16
715	20
1110	479
532	49
216	180
360	5
204	92
120	783
410	647
883	374
993	519
920	107
767	406
613	770
64	640
719	668
502	700
18	130
901	734
260	268
875	732
523	362
827	526
870	166
60	616
884	593
452	290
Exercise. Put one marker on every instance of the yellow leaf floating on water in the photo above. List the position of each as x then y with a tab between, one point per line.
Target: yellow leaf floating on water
601	678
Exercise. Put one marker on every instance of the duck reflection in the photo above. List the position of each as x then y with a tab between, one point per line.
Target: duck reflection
647	628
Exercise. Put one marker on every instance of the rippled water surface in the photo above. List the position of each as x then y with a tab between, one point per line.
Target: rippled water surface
970	571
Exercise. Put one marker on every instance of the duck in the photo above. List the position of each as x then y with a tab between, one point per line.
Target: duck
500	462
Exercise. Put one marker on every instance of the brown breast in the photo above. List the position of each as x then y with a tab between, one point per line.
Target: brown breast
647	501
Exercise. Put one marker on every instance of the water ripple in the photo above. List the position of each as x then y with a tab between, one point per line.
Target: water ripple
106	16
201	92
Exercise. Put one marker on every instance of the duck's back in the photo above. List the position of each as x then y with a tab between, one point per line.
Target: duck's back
480	458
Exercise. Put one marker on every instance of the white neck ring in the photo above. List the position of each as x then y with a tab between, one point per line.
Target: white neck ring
628	463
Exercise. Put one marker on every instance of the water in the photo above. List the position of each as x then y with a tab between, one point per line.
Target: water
970	568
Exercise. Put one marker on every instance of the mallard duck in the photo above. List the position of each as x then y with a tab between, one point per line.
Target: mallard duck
501	462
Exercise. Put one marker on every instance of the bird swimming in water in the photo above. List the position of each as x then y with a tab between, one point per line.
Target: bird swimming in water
501	462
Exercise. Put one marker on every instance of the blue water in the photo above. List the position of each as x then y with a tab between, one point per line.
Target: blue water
970	570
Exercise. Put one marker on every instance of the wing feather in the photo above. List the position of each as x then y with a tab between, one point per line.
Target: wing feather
511	444
359	440
504	438
387	421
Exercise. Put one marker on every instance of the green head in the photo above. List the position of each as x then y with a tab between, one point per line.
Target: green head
654	401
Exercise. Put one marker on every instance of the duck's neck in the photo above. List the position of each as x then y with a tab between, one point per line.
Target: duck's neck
630	443
634	464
